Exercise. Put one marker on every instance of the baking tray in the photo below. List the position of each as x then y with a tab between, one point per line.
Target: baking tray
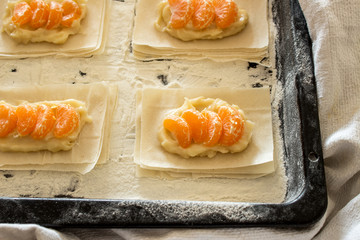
306	198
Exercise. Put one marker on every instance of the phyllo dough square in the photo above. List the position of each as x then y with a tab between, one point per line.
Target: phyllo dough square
256	160
88	41
251	44
91	147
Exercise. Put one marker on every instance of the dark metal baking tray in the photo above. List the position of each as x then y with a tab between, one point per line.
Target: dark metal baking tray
306	198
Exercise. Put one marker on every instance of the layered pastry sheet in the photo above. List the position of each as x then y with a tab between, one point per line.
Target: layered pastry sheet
200	19
87	36
256	160
250	44
43	21
90	147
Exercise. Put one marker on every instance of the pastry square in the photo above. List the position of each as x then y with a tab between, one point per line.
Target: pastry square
152	105
91	147
89	40
251	44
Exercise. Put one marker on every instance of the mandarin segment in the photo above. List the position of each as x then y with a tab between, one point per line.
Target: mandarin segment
204	14
181	12
7	119
55	15
233	125
45	121
213	127
71	12
67	120
179	128
40	13
226	12
225	111
197	123
22	14
27	118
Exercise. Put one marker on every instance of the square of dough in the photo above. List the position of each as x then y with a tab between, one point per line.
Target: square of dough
92	143
257	158
250	44
88	41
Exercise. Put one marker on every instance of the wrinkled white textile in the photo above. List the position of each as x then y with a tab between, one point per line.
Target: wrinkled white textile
335	32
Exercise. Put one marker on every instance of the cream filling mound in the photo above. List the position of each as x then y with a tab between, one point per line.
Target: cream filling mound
188	33
16	143
169	143
26	34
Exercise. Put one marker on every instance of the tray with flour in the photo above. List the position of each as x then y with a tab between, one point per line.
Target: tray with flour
305	200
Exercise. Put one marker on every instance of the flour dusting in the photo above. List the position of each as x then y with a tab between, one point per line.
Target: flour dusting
116	179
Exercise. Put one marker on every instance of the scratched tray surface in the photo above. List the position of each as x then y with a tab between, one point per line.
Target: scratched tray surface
305	201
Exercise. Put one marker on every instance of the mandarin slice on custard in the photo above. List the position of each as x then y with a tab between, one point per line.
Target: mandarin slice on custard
40	13
179	128
233	125
45	121
197	124
22	14
55	15
26	119
204	14
181	12
71	12
226	12
7	119
67	120
213	128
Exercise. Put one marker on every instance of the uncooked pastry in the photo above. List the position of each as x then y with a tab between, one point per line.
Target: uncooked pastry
188	33
100	99
25	35
152	104
90	40
16	143
249	44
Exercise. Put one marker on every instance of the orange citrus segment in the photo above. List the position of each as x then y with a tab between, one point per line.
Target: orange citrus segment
233	125
27	117
71	12
225	111
22	14
226	12
7	119
213	127
55	15
181	12
40	13
197	123
67	120
44	123
179	128
204	14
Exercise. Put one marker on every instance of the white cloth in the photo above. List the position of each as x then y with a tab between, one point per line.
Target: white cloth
30	232
335	32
